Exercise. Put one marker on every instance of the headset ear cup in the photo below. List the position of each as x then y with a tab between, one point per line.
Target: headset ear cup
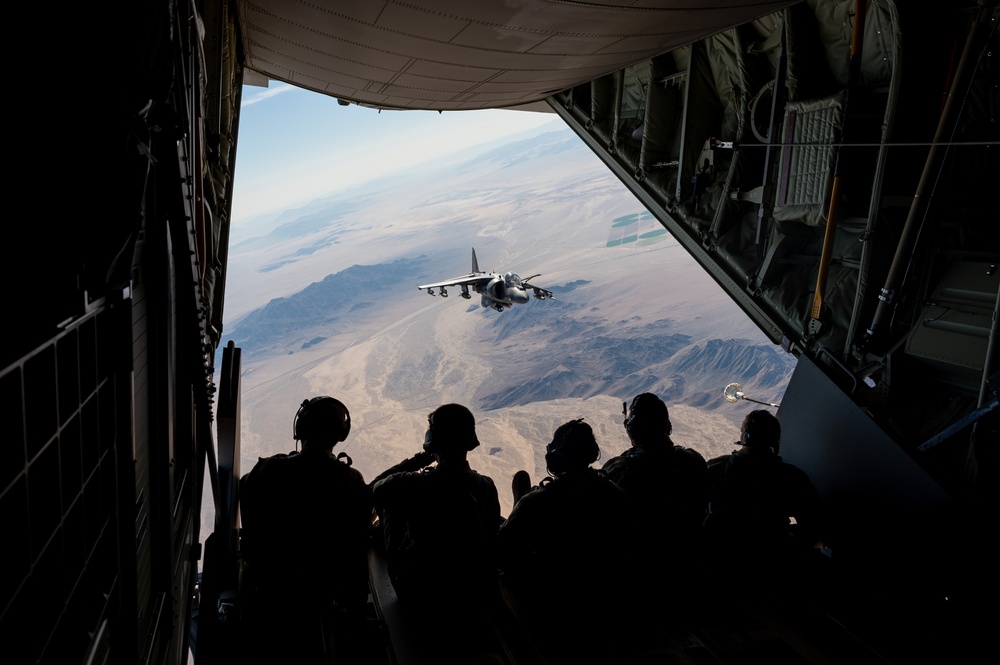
634	425
297	425
314	413
554	462
347	424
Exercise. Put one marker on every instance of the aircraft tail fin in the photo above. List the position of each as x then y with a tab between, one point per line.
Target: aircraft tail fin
475	263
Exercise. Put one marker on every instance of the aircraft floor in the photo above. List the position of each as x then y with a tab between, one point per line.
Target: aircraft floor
806	624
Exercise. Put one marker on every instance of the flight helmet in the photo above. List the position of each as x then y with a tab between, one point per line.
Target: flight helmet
761	429
450	428
321	419
647	418
573	447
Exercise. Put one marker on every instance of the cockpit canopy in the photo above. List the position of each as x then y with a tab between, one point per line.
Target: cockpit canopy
510	279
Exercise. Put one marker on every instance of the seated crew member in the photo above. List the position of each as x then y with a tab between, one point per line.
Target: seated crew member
667	487
667	484
761	509
565	555
440	525
306	522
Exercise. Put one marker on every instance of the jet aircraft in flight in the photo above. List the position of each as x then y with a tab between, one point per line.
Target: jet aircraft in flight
498	290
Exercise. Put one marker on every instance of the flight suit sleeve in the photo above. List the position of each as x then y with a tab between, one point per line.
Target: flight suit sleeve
387	491
414	463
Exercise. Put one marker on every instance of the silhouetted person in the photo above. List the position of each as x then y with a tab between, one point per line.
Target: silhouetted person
565	555
667	487
440	525
667	484
306	522
762	510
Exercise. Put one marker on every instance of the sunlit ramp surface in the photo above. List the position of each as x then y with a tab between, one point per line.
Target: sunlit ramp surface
442	54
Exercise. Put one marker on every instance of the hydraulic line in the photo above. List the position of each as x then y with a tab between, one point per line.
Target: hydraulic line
978	32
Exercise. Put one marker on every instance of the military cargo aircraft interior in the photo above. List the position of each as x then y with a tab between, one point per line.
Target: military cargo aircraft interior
831	164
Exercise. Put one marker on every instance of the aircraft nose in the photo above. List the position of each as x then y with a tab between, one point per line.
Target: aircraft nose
520	296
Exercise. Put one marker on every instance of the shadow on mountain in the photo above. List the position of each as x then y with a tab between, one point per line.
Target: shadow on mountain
641	360
291	322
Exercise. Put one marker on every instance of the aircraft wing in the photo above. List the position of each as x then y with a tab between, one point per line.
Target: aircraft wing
469	280
540	293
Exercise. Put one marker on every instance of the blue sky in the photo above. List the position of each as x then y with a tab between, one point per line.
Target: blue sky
296	145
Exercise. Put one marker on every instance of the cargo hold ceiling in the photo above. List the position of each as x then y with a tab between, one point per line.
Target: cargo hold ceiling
458	55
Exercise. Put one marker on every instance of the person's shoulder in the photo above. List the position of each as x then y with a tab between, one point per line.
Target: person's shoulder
598	480
718	463
486	484
689	455
539	495
487	494
619	462
608	484
334	466
344	467
482	478
794	473
277	458
355	477
266	465
396	478
605	497
399	479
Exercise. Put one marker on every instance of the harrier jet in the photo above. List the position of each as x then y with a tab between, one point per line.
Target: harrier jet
498	290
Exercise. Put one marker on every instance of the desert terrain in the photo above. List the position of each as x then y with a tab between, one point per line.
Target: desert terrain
322	300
